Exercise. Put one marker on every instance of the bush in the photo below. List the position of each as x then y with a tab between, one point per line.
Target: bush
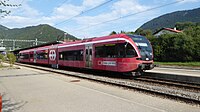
2	59
11	58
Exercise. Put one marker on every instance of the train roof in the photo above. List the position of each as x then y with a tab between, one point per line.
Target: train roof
93	39
62	44
37	46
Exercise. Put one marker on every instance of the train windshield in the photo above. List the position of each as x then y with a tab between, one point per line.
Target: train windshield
143	46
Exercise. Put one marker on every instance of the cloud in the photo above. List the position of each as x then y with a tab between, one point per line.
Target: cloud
67	10
27	15
118	9
187	1
127	6
92	3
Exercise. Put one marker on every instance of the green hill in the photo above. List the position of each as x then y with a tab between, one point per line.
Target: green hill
44	32
2	28
169	20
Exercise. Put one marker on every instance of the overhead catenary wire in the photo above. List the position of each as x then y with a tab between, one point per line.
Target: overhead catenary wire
22	2
48	14
104	3
115	27
150	9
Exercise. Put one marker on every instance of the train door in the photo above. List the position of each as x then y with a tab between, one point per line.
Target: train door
53	56
34	56
88	56
31	56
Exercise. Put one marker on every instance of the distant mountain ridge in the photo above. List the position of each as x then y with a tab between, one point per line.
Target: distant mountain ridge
42	32
3	28
170	19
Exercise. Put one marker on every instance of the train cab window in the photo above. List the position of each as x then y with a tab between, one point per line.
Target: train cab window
130	51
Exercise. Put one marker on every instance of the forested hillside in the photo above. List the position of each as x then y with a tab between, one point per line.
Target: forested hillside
43	32
169	20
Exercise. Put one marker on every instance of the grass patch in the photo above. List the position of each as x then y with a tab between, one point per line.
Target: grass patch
189	64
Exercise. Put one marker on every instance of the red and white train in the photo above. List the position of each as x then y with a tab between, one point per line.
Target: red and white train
118	53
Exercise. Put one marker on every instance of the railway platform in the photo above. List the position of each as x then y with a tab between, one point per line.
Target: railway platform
34	90
176	74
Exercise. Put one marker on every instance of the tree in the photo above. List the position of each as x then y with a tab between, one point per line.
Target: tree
184	25
4	3
113	32
144	32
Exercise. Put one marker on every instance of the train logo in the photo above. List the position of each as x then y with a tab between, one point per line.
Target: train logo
52	55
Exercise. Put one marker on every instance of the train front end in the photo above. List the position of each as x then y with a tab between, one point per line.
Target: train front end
145	52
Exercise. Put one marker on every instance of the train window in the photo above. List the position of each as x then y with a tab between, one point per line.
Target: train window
106	51
90	52
61	56
31	55
99	51
86	52
42	55
24	56
119	50
76	55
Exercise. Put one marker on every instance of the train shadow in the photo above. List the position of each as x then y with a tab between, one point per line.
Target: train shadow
101	73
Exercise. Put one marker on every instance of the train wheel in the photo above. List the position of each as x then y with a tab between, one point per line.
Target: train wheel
137	73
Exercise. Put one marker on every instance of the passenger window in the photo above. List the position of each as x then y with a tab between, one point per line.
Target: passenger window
119	50
86	52
75	55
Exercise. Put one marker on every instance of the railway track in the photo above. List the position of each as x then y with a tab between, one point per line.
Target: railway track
180	84
189	93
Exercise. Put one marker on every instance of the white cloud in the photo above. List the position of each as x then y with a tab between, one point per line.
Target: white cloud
118	9
124	7
92	3
187	1
67	10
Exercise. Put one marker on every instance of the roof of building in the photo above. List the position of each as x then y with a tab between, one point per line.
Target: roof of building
169	29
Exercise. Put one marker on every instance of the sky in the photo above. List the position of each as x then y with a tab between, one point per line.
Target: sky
76	18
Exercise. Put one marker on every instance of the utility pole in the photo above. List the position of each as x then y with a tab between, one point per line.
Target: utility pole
36	41
1	43
65	36
13	44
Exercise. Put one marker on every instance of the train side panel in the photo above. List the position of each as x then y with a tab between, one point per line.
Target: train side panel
71	56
